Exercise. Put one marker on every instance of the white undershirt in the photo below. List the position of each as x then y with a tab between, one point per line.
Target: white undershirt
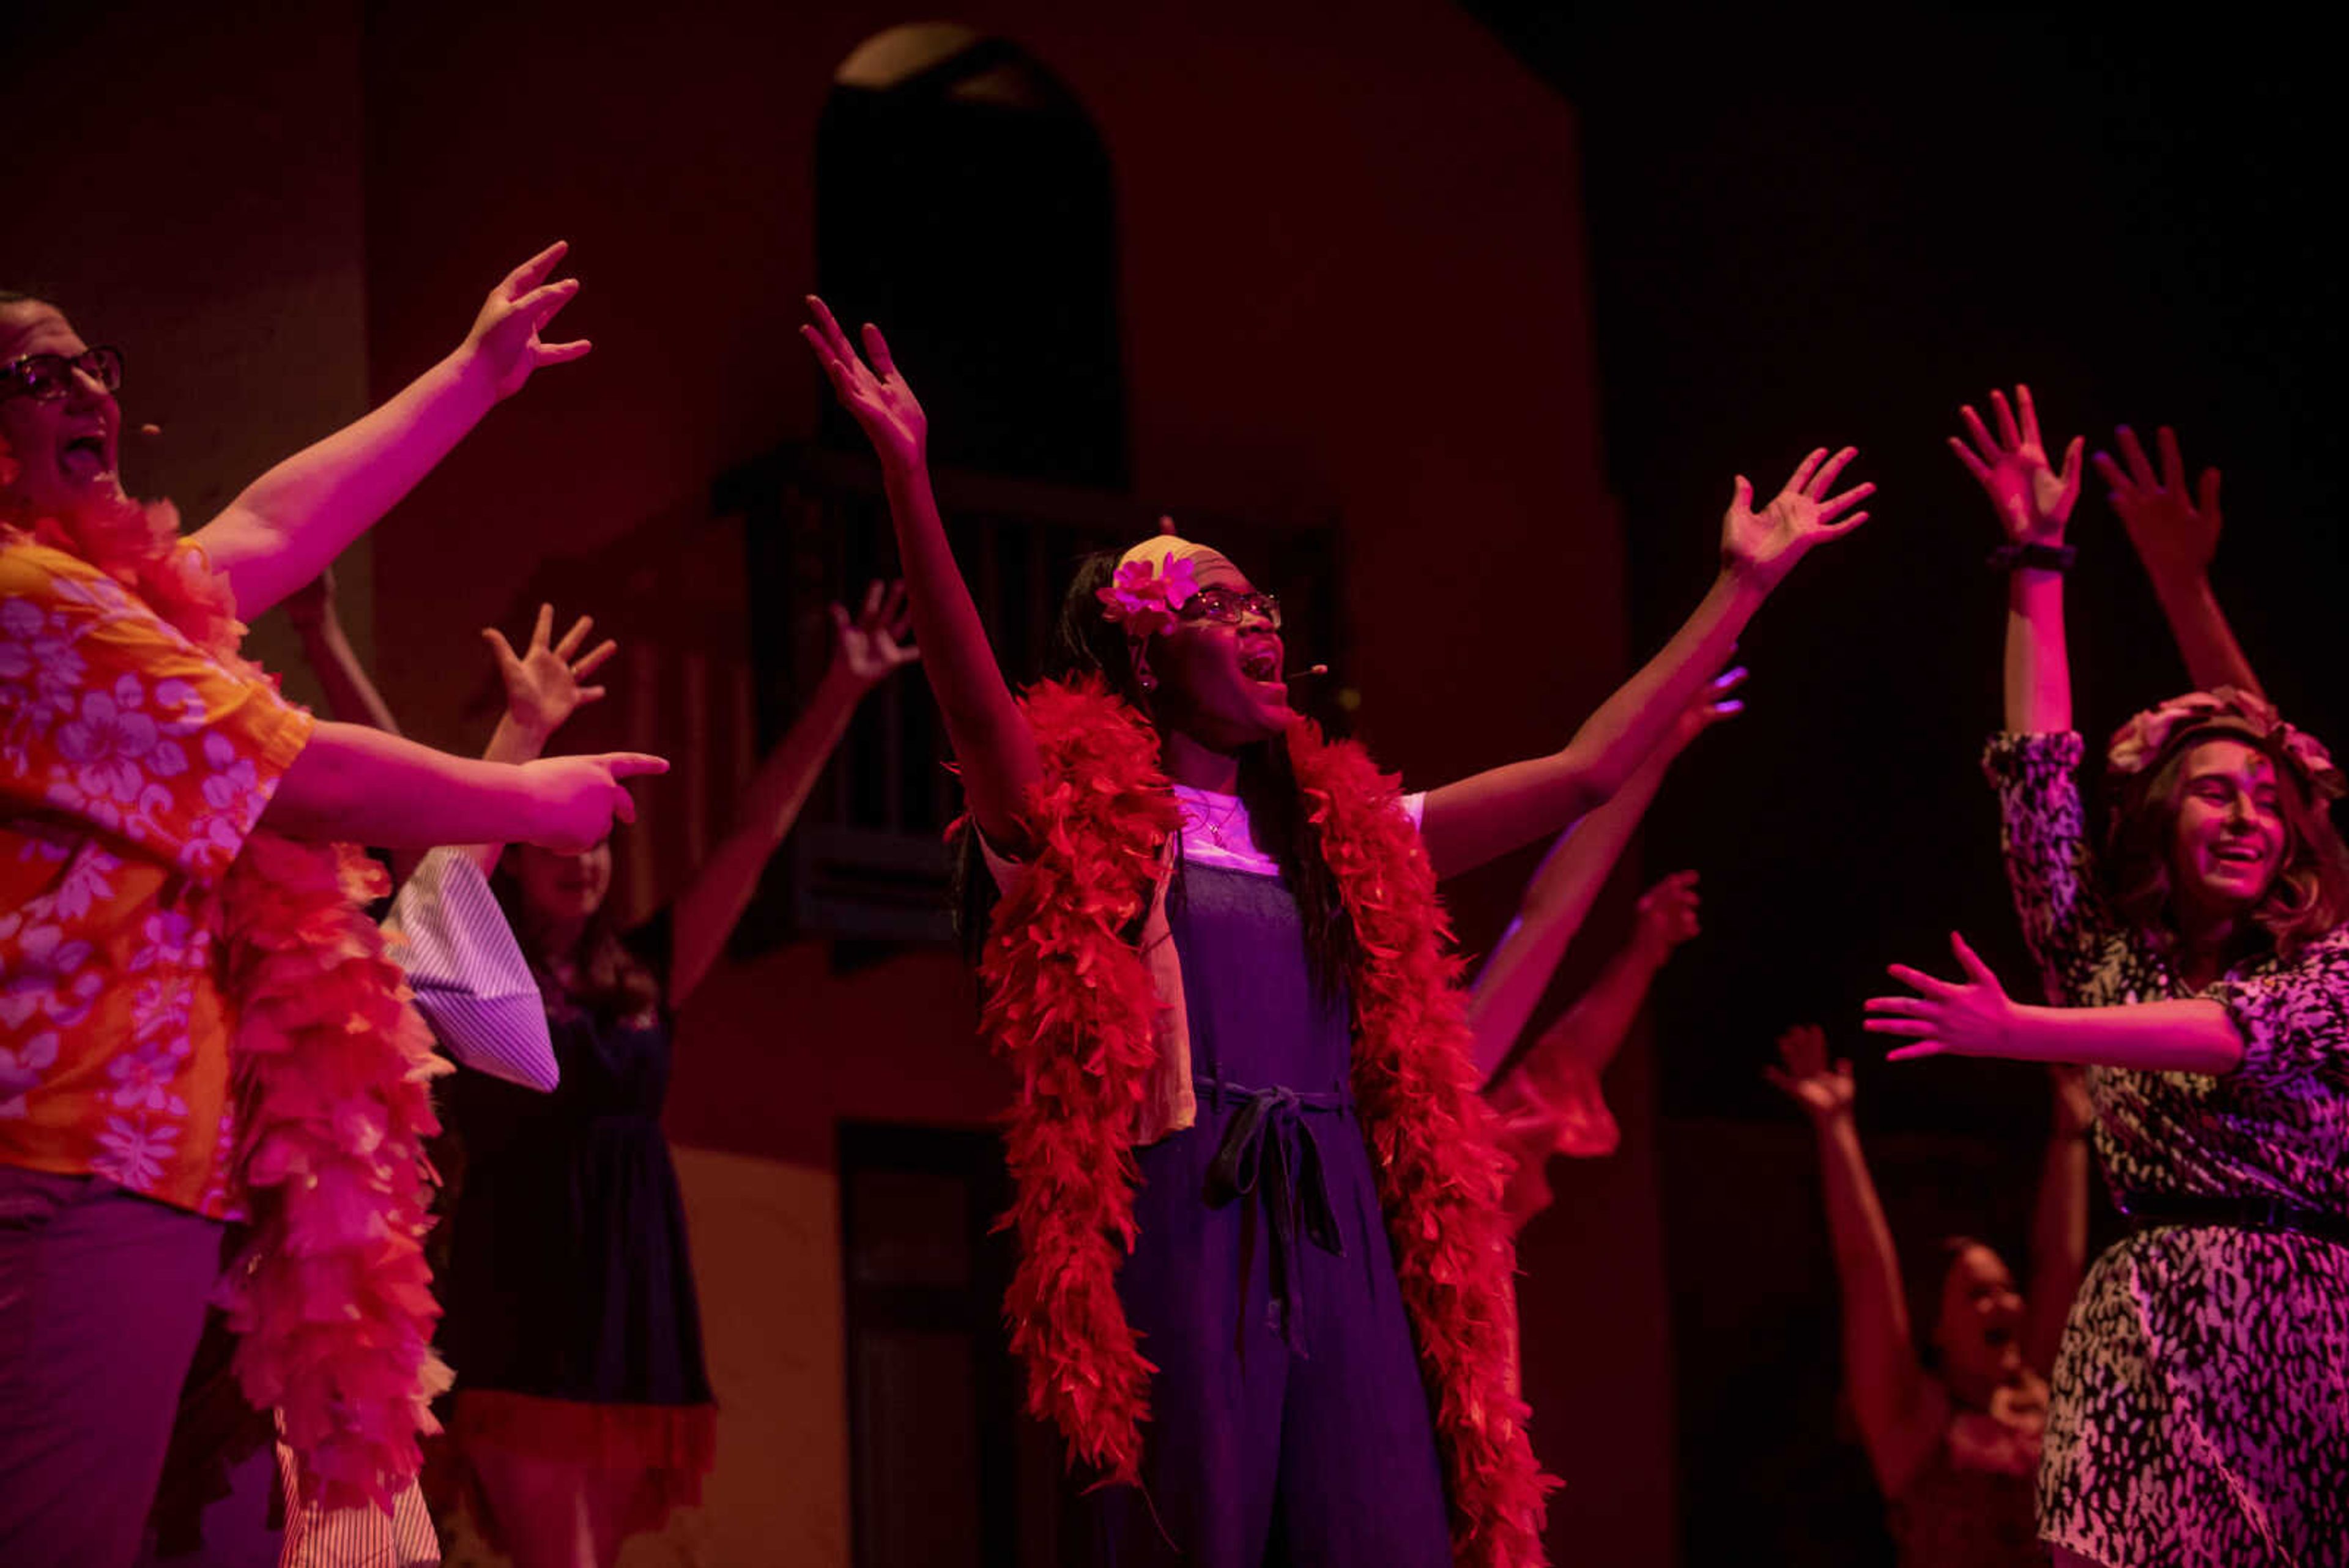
1215	833
1216	830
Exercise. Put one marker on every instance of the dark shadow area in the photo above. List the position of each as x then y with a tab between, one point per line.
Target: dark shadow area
964	199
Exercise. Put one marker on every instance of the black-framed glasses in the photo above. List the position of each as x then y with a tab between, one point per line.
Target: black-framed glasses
1223	606
45	378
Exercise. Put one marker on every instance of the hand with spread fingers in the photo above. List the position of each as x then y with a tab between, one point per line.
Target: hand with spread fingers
504	346
1765	546
2033	499
1806	1076
870	388
1717	702
1969	1017
542	681
871	645
2175	529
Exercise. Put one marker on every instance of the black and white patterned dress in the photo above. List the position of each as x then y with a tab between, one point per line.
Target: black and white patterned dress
2201	1397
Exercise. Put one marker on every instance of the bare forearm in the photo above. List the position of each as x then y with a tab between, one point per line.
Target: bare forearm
1556	902
2182	1036
288	524
350	695
1592	1031
2213	658
1878	1363
2038	672
1471	822
721	887
510	743
354	785
984	724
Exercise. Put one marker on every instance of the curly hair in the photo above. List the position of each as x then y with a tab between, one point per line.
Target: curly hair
2310	894
1084	643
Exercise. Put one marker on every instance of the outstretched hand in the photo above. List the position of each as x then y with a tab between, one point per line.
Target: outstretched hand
870	388
870	646
1765	546
577	799
1716	702
1667	915
2174	531
2033	498
1823	1090
542	683
504	344
1969	1017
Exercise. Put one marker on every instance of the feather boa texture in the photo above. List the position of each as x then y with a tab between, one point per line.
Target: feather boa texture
331	1296
1069	1002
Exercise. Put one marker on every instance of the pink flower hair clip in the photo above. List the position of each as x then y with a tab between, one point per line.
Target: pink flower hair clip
1143	597
2141	743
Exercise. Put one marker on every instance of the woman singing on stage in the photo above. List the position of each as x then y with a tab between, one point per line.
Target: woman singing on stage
1248	1151
2200	1404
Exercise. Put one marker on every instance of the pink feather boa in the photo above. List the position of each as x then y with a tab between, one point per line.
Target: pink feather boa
332	1297
1070	1005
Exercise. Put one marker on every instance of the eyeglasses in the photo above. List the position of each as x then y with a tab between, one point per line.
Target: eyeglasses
45	378
1228	608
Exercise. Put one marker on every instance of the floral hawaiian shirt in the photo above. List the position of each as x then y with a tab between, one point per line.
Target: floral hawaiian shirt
132	765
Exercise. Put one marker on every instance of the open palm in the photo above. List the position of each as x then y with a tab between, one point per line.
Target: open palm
542	681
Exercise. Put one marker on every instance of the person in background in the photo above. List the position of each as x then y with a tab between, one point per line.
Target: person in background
1548	1098
1951	1399
584	1412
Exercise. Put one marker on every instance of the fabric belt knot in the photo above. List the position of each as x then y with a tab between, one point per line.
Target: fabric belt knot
1270	1152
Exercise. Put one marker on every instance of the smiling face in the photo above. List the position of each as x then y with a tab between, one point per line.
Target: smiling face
562	892
1979	1331
2227	838
1220	684
67	450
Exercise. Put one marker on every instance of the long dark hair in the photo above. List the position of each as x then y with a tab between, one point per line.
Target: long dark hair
611	982
2310	895
1083	644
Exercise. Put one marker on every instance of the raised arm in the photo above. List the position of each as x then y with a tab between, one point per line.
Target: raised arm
866	650
354	785
993	745
2059	1224
283	528
2034	501
1470	822
2176	535
350	695
1899	1418
1557	901
1586	1036
1975	1017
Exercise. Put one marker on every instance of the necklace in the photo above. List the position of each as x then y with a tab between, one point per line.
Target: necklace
1221	827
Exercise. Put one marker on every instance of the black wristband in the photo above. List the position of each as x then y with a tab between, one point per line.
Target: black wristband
2033	554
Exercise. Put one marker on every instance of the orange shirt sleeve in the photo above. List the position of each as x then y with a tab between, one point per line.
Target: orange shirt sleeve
111	718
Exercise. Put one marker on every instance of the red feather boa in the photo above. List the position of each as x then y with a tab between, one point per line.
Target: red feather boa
332	1297
1069	1004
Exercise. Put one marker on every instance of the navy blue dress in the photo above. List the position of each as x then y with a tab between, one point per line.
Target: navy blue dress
1289	1423
569	1276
